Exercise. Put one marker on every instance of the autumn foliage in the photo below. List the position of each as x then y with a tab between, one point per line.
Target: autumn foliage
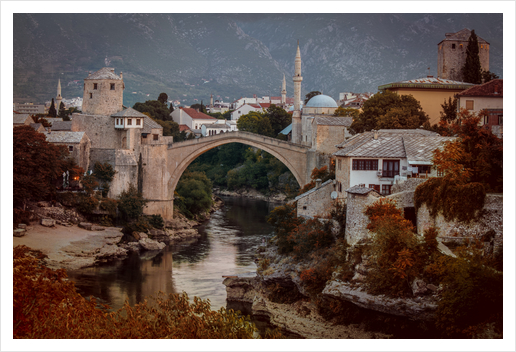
47	306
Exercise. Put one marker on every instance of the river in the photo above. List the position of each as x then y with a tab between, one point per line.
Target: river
227	246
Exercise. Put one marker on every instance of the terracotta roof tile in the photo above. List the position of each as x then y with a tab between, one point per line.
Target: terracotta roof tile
493	88
194	114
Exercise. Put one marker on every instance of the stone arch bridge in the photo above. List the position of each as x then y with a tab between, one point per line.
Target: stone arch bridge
162	170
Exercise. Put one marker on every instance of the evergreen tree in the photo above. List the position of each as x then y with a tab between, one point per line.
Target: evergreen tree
471	71
62	111
52	111
449	112
171	108
163	97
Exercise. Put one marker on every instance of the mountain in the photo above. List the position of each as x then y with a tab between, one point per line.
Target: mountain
190	56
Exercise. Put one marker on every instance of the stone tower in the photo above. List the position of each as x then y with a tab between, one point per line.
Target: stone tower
59	98
296	116
211	101
451	54
284	91
103	93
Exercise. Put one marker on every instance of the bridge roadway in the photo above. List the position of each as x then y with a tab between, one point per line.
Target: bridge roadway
161	180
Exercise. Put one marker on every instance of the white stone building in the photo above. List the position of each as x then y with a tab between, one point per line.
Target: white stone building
191	118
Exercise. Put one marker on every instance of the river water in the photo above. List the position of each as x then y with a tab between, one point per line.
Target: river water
227	247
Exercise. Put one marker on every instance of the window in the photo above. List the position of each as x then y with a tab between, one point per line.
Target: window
137	122
365	164
469	104
95	86
453	46
112	86
129	122
391	168
460	45
339	163
155	137
386	189
70	148
486	120
375	187
440	173
91	95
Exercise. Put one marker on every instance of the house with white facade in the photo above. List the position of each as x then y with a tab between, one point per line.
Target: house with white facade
379	159
191	117
246	109
487	97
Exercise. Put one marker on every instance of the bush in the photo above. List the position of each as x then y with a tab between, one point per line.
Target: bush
109	205
194	191
21	216
156	221
69	199
284	219
137	226
47	306
87	205
311	235
131	203
89	183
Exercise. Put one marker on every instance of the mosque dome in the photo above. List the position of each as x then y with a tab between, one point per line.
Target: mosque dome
321	101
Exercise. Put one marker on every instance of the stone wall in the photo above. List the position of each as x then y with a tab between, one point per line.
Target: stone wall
316	202
356	220
103	100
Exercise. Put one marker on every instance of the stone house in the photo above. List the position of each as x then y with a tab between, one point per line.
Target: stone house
22	119
356	221
431	92
316	202
328	131
220	126
78	144
380	159
451	54
191	117
29	108
246	109
487	97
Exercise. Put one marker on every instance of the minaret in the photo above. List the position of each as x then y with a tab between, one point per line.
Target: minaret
296	116
59	98
211	101
284	91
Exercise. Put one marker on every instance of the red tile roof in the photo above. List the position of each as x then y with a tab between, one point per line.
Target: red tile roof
183	128
265	105
194	114
493	88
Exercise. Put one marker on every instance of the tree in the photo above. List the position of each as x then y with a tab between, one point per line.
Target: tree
52	111
346	112
62	111
471	71
406	114
311	95
131	203
279	118
193	194
171	108
255	122
156	109
488	76
40	119
449	112
163	98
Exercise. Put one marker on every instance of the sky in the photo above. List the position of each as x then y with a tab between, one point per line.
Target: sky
10	7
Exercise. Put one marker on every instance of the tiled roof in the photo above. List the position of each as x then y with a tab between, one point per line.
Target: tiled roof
129	112
360	190
62	126
36	126
334	121
265	105
149	124
493	88
64	136
462	35
421	149
312	190
194	114
415	145
427	82
20	118
183	128
104	73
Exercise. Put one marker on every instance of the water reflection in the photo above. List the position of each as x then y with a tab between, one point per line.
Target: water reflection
227	246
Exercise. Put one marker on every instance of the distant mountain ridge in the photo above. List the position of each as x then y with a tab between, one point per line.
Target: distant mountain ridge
190	56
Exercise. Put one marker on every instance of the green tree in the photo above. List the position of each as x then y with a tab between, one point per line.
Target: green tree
488	76
407	112
311	95
36	164
346	112
52	112
156	109
255	122
131	203
171	108
472	71
279	118
193	194
449	112
163	98
62	111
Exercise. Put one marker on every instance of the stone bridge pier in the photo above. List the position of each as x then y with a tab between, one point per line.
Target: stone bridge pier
162	166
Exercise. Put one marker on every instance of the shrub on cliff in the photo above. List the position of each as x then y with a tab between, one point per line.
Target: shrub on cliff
47	306
131	203
284	219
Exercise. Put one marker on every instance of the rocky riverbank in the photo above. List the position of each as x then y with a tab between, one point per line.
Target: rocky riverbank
251	193
72	243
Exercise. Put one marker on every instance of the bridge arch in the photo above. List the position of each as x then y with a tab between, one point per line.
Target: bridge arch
182	154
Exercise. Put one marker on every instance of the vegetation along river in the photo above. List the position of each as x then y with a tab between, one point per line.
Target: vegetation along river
227	246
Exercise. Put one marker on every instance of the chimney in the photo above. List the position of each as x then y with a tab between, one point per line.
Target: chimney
375	135
121	75
318	183
49	130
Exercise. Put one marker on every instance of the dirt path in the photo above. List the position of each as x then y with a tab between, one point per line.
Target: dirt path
67	247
